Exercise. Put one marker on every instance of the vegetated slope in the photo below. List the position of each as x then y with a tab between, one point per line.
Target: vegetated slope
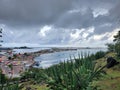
110	81
77	74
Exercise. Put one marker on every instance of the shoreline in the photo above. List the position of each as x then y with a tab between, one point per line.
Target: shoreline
21	62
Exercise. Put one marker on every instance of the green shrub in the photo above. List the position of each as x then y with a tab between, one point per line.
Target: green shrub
73	75
99	54
6	84
76	74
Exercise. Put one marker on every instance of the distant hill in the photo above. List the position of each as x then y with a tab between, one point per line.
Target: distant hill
23	47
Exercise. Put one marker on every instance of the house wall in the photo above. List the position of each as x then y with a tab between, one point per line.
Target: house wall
2	58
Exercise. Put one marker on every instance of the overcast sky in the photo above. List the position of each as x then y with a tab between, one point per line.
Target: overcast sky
59	22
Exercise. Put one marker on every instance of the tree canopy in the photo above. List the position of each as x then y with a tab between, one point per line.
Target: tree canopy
117	37
115	47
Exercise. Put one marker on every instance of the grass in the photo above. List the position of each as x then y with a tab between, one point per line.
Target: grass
111	81
76	74
36	87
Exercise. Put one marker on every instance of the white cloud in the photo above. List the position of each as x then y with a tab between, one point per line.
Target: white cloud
107	37
78	10
76	34
44	30
11	32
85	35
99	37
91	29
106	25
111	34
81	22
74	11
20	44
100	11
88	31
80	36
2	25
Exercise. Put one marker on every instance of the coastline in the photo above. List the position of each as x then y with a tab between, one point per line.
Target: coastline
21	62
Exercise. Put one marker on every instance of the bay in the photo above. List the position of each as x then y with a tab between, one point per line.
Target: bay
47	60
35	49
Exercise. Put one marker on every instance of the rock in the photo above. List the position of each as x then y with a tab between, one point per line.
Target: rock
111	62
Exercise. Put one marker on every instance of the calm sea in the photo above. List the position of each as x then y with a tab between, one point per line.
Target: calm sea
29	50
47	60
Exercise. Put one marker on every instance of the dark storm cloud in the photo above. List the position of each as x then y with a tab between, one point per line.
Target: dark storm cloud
80	20
76	20
24	19
107	23
46	11
33	11
115	13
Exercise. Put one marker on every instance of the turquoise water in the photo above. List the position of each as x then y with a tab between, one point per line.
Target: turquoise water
47	60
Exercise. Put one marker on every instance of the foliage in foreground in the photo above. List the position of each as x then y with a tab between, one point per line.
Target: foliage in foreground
6	84
115	47
76	74
111	80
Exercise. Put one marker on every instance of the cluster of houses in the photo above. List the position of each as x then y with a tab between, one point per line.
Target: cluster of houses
5	53
18	65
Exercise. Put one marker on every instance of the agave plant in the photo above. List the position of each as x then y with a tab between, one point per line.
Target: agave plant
76	74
